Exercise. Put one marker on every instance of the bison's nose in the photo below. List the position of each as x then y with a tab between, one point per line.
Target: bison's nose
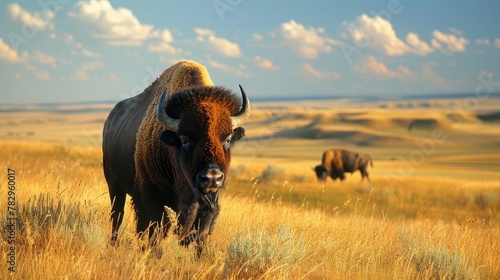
210	180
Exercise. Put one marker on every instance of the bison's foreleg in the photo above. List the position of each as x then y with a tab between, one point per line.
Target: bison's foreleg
150	219
206	223
187	219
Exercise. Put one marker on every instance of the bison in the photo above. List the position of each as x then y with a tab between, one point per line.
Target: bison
170	146
336	162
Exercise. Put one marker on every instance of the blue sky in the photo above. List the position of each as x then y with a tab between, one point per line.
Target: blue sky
72	51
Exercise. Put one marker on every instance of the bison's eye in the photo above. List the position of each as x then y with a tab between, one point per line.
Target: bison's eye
185	141
227	142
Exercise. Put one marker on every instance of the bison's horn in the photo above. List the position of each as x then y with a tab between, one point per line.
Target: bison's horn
240	118
167	121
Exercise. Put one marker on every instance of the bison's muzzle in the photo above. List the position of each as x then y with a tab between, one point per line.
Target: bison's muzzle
210	179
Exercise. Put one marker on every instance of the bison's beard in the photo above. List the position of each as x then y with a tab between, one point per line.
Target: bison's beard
210	199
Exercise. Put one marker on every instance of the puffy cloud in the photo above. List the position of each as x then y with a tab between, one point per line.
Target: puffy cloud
66	38
429	74
306	42
120	27
70	40
497	42
453	43
378	33
310	71
39	74
418	47
44	58
117	26
112	77
436	44
483	41
203	32
257	37
8	54
165	45
227	68
264	63
81	72
370	65
456	31
36	20
218	44
88	53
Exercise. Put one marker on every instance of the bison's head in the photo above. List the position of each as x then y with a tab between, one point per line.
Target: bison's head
321	173
202	123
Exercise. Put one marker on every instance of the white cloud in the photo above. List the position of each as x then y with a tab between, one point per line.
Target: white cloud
456	31
165	45
264	63
66	38
86	53
436	44
116	26
70	40
257	37
203	32
120	27
90	54
306	42
370	65
8	54
482	41
39	74
112	77
44	58
226	68
81	72
310	71
418	47
36	20
378	33
497	42
429	74
218	44
453	43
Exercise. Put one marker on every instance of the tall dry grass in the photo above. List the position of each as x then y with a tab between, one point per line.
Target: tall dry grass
262	233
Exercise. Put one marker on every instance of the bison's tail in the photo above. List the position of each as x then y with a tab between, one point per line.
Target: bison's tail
371	161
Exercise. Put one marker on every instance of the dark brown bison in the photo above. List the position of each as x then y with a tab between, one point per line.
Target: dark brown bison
171	146
336	162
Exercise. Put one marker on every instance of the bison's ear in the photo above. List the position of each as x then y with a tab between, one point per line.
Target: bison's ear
169	137
238	134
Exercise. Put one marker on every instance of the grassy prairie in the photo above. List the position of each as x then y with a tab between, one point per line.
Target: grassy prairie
430	211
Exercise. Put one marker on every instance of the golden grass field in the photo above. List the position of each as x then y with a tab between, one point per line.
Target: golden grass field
430	211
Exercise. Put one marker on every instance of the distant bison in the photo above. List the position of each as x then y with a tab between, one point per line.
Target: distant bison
336	162
170	146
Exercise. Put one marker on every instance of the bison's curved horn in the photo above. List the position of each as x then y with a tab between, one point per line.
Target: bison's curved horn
167	121
240	118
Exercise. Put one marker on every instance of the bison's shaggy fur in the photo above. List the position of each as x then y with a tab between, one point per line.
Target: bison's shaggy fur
159	167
